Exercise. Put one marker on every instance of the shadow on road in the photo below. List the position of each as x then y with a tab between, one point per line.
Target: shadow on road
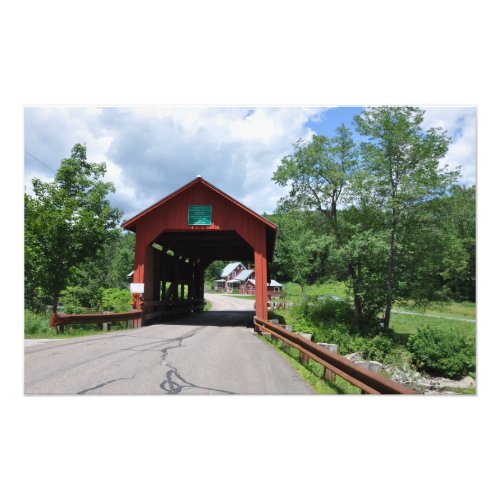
215	318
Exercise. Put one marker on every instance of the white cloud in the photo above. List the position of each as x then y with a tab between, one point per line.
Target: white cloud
153	151
460	123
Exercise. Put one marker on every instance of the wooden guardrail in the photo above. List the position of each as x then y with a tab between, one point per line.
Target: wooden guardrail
368	381
60	320
151	310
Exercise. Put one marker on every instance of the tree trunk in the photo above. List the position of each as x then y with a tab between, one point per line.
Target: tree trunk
358	315
390	273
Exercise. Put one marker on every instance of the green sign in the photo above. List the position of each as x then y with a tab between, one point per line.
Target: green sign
199	215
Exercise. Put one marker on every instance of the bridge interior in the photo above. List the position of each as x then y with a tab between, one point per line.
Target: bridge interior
179	236
176	263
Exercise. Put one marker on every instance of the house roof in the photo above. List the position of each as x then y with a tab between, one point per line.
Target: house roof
244	275
273	283
230	268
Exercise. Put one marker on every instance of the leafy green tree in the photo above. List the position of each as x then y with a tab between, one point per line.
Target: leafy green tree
303	251
67	222
439	242
118	260
402	163
213	270
321	174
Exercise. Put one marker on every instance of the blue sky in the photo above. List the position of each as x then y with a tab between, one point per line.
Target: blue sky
331	118
151	151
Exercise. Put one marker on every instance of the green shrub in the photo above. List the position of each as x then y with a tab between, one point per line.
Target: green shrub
442	352
116	299
378	348
79	300
36	323
326	312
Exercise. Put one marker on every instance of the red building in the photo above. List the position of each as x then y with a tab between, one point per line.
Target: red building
180	235
235	277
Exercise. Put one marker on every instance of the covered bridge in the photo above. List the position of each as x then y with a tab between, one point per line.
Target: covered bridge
179	236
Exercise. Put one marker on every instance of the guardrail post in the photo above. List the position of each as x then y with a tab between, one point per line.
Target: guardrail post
328	375
106	327
304	358
284	345
373	366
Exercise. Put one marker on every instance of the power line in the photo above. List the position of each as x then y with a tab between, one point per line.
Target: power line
40	161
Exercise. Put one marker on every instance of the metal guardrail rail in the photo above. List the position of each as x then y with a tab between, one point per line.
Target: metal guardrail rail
151	310
369	382
98	318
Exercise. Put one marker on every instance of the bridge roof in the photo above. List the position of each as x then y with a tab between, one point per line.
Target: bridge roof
230	235
130	223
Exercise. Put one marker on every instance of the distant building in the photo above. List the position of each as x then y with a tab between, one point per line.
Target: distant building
274	289
236	277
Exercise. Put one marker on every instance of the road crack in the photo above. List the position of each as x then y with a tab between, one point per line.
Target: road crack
103	384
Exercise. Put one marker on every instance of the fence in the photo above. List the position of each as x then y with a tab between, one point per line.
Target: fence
151	310
368	381
60	320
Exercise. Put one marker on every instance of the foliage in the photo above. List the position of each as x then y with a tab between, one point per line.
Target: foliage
213	271
382	216
442	352
67	222
402	170
79	300
303	254
326	312
440	247
318	173
119	260
116	299
36	324
321	174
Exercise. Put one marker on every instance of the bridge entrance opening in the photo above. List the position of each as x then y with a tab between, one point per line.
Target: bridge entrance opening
178	237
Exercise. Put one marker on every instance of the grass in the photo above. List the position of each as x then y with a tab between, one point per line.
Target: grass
73	331
293	293
404	324
36	326
238	296
207	306
312	372
459	310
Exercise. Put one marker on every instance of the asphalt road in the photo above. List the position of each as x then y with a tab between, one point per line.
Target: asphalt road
211	353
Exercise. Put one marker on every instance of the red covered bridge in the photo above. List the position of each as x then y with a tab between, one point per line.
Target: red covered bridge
179	236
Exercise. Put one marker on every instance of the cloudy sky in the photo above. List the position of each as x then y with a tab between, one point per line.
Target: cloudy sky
151	151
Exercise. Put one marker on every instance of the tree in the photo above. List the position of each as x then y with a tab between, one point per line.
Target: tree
320	174
439	242
303	249
118	260
213	270
67	222
402	163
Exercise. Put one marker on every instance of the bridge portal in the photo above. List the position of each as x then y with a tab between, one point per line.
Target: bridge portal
179	236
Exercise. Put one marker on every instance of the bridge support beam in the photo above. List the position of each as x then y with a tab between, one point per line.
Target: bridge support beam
260	260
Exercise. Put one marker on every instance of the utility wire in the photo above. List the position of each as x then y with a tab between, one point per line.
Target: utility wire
40	161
